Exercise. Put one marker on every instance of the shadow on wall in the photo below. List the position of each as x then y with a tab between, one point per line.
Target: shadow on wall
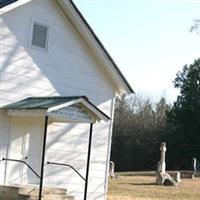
33	72
26	141
66	71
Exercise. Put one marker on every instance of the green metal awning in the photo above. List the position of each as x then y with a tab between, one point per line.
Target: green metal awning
72	108
40	102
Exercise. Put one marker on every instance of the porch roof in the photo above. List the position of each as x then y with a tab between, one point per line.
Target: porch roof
70	107
41	102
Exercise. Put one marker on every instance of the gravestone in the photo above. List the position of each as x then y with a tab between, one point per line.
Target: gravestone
194	164
162	177
177	177
194	167
112	169
187	174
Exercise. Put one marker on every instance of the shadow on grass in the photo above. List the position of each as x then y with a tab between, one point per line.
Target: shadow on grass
137	183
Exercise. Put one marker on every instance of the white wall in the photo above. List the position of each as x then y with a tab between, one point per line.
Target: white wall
67	68
75	153
66	64
4	141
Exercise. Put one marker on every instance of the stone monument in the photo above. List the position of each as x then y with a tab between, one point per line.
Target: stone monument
194	167
162	177
194	164
163	150
112	169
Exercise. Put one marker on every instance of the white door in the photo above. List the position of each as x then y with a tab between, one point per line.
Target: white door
25	144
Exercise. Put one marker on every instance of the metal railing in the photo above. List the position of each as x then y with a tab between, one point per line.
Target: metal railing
23	162
67	165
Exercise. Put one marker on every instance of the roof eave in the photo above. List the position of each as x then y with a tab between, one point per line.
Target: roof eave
12	5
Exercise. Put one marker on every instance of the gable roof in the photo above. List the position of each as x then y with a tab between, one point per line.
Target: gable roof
56	103
82	26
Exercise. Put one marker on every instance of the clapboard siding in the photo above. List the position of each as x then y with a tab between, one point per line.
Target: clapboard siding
4	141
10	77
67	68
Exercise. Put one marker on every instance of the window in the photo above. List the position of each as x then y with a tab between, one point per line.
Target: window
39	35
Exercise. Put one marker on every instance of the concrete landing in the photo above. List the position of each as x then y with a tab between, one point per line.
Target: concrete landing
31	193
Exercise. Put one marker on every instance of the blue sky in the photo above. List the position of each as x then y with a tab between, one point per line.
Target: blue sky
149	39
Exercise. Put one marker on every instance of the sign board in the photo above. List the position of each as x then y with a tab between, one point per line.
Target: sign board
74	113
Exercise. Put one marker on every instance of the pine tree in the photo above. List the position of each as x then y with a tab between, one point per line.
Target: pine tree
184	118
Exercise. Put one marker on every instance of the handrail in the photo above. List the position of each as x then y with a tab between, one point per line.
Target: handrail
21	161
67	165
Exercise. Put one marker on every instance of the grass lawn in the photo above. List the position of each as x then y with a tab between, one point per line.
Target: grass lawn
144	188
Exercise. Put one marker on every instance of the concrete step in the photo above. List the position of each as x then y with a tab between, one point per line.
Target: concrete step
46	197
8	192
31	193
34	190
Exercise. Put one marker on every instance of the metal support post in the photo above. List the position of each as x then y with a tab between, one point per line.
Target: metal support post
43	157
88	162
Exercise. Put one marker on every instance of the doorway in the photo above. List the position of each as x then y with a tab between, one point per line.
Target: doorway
26	135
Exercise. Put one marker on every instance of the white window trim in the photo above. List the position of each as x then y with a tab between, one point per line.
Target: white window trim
31	36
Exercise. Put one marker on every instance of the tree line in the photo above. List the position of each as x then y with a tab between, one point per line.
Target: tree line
141	125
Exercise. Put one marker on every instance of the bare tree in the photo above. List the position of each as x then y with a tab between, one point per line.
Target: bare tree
138	129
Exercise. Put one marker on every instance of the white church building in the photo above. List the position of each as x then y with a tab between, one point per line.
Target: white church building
58	86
